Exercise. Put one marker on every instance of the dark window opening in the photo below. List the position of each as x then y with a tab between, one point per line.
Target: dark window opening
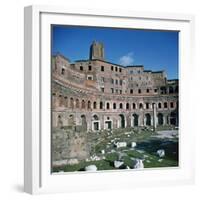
63	71
101	105
107	105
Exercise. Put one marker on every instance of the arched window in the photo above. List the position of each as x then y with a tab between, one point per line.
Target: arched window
95	117
147	105
94	105
139	91
159	105
101	105
77	103
83	104
114	105
71	102
89	105
171	104
60	100
165	105
127	106
131	91
140	105
66	101
121	106
134	106
107	106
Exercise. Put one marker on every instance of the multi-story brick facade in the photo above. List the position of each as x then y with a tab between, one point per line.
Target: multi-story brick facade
95	94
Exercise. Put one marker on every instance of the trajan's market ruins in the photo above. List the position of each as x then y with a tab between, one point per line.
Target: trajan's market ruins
95	95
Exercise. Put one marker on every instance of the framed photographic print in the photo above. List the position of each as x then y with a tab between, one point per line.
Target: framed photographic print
106	102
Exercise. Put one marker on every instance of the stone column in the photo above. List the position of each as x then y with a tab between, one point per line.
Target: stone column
154	117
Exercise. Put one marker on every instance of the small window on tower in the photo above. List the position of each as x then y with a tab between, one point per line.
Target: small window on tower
90	68
102	68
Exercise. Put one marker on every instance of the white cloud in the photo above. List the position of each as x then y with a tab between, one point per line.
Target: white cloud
127	59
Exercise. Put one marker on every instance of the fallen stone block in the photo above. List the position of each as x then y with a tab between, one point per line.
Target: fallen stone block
91	168
161	153
117	164
133	144
138	164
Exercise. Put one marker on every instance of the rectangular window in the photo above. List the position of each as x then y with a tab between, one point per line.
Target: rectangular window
102	79
102	68
120	70
111	68
120	82
90	68
112	90
116	69
116	91
120	91
90	77
116	82
112	81
81	68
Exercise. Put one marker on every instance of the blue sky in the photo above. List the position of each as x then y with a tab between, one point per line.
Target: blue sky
156	50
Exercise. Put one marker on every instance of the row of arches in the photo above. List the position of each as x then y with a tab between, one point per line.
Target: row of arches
96	122
169	90
87	104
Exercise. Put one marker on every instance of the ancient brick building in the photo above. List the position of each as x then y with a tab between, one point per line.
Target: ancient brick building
95	94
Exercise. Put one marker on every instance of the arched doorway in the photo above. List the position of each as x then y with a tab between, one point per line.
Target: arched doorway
71	121
148	119
60	121
95	123
160	119
173	118
135	120
83	122
122	121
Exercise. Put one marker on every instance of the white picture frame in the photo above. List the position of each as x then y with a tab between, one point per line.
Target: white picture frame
37	149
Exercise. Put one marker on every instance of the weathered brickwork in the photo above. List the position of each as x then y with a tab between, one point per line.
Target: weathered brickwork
94	94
